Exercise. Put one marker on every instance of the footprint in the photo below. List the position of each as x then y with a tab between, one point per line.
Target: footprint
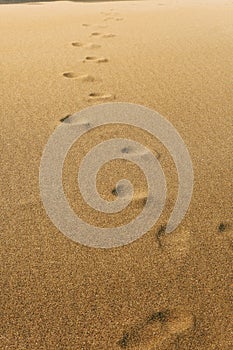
95	33
86	46
109	35
72	119
70	75
119	19
160	233
134	152
102	60
97	96
159	328
83	77
95	59
77	44
138	333
90	58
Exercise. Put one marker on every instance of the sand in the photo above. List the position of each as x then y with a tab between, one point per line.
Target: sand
162	291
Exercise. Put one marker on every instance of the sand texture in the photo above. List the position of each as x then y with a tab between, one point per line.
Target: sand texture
163	291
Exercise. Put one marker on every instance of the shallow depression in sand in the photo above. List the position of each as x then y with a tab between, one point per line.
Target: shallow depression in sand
95	59
86	46
82	77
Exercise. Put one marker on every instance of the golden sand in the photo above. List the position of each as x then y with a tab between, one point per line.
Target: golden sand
165	292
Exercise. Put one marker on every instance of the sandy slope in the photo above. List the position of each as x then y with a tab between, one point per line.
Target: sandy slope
171	293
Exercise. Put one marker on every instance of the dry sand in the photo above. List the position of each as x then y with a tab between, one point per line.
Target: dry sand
162	291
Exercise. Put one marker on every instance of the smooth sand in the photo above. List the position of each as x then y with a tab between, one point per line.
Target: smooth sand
163	291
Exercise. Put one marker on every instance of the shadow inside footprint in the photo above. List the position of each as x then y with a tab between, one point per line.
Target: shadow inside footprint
124	341
159	233
95	34
77	44
98	96
64	118
161	316
94	94
223	226
102	60
69	75
90	58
